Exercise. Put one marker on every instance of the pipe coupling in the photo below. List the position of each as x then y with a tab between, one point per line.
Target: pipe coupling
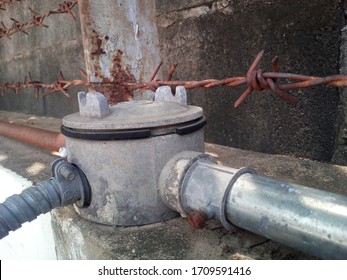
193	183
71	182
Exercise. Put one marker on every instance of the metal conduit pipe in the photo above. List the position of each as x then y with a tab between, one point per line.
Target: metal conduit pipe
67	186
46	139
310	220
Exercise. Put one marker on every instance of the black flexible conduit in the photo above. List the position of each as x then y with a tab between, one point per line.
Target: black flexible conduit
67	185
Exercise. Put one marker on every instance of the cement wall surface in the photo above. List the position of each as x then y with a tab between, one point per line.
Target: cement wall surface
220	39
211	39
44	52
340	154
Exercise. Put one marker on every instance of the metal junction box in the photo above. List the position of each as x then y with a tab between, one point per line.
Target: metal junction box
122	150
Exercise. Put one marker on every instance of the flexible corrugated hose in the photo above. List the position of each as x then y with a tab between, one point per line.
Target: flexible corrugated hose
68	185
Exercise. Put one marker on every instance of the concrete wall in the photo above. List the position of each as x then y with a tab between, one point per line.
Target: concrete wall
213	39
340	154
43	52
219	39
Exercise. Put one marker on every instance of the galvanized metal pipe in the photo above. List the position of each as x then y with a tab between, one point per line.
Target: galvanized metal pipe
46	139
310	220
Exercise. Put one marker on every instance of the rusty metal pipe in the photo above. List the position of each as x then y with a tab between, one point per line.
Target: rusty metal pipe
45	139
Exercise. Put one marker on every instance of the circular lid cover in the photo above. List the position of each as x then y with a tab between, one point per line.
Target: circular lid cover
136	115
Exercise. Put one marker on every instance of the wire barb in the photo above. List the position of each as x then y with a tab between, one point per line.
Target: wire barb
3	3
37	20
256	80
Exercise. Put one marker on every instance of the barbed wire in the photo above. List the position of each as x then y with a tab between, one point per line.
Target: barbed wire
3	3
256	80
37	20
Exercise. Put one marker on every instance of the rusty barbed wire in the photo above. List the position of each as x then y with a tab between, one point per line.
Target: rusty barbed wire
3	3
256	80
37	20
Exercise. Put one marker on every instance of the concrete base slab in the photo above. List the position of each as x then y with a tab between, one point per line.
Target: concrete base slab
77	238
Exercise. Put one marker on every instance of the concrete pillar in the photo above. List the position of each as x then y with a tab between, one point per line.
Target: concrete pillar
120	41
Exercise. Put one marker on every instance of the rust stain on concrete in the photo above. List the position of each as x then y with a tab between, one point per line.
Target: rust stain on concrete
119	73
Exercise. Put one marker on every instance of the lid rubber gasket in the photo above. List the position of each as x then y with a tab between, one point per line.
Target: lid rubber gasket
105	135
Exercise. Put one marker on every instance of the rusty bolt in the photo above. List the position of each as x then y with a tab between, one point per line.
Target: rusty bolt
197	219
